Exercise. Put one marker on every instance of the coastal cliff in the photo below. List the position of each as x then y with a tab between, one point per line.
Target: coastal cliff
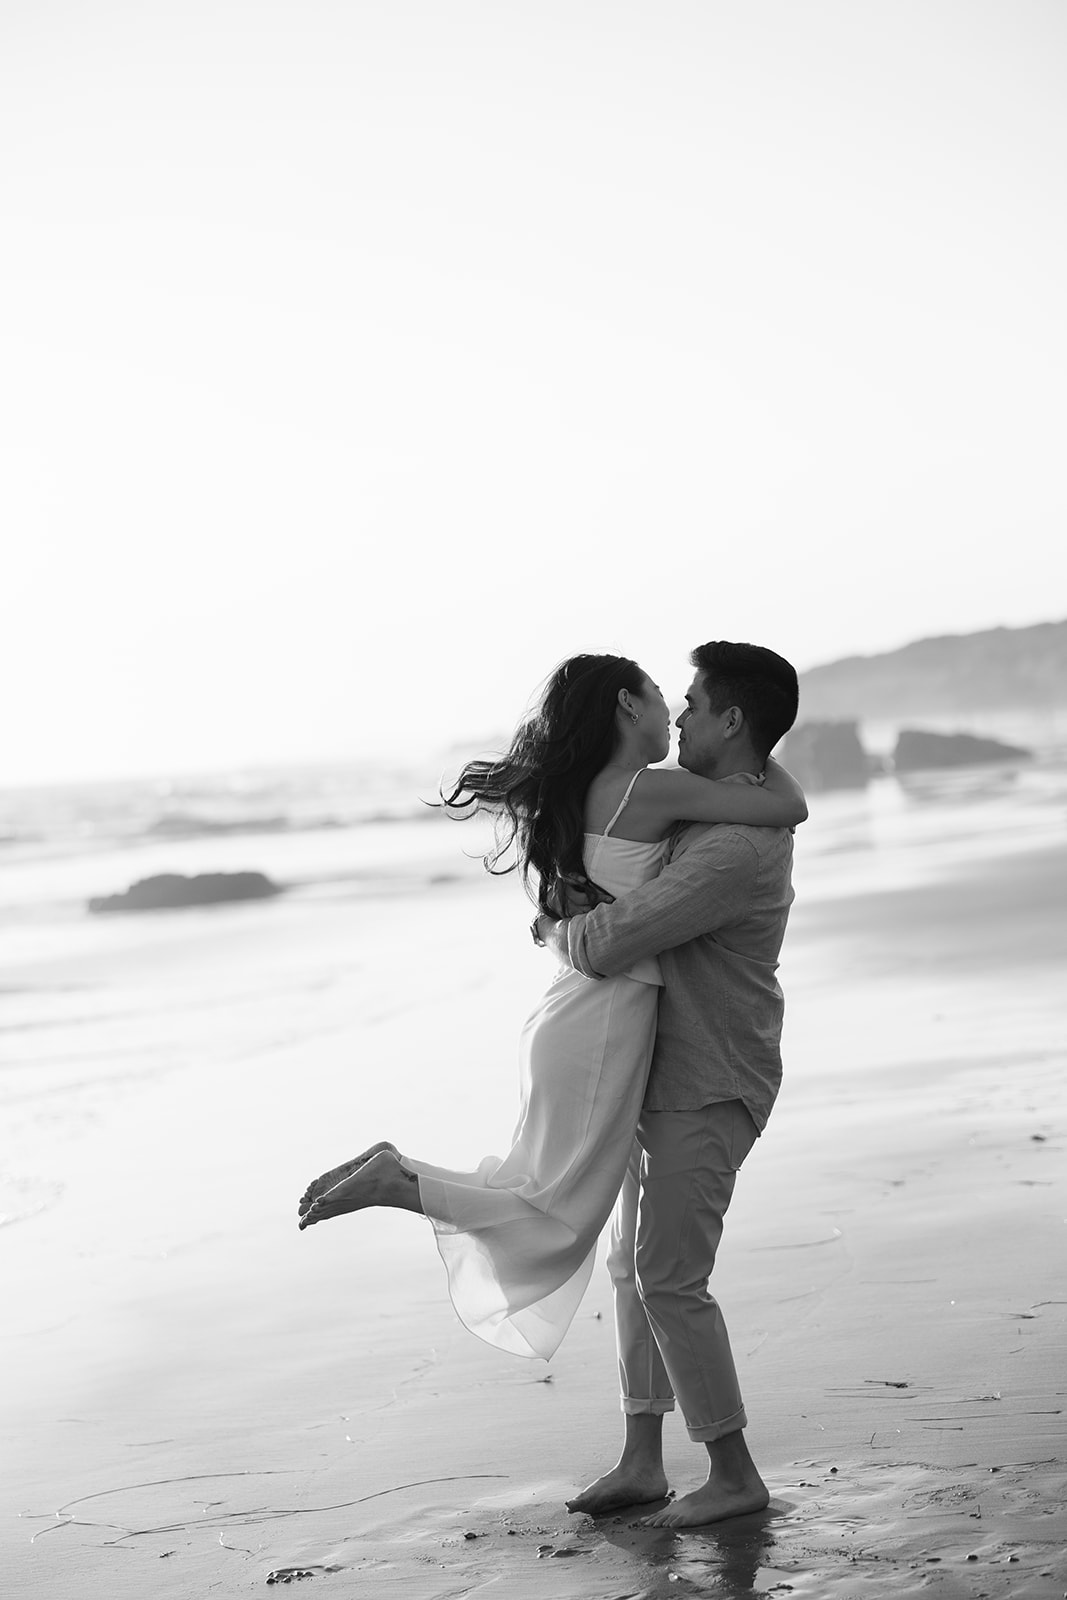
989	682
997	670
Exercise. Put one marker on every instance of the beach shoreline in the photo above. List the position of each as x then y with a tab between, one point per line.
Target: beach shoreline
205	1397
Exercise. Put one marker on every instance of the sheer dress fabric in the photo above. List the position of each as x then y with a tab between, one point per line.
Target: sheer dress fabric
518	1236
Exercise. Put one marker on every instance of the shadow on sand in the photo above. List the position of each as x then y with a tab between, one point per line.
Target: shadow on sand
726	1558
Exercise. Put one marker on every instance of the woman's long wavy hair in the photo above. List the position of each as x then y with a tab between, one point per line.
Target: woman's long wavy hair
537	790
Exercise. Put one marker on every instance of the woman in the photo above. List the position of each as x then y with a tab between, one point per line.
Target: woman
576	796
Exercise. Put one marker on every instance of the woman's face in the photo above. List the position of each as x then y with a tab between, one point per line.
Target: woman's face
655	723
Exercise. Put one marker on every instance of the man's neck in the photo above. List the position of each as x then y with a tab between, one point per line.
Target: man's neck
743	762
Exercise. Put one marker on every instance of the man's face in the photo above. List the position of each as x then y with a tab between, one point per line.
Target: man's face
700	731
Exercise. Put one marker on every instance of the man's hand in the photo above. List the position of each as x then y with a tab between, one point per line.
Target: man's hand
579	896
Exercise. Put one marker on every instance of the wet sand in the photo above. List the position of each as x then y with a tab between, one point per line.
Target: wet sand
200	1398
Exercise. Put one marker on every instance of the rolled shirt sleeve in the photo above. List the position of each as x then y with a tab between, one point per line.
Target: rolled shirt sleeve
707	887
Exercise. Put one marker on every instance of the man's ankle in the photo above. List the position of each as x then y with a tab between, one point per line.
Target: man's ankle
643	1437
729	1458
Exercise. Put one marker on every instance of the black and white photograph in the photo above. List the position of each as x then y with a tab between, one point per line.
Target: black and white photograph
533	799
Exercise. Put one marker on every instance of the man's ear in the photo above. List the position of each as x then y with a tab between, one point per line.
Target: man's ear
733	722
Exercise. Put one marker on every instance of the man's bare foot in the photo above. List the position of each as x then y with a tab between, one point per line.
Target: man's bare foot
319	1186
378	1181
712	1502
624	1485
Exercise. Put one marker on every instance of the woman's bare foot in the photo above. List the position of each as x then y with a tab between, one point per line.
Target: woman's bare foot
622	1486
378	1181
712	1502
319	1186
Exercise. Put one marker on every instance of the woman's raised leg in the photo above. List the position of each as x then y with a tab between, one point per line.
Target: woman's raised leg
377	1180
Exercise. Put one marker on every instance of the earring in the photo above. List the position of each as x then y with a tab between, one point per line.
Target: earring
634	718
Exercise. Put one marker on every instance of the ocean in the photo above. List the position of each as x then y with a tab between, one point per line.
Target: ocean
92	1004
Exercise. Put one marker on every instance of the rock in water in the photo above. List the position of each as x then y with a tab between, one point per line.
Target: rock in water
169	889
826	755
918	750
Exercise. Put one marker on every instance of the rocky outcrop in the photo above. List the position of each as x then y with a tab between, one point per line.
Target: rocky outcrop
998	670
169	889
918	751
826	755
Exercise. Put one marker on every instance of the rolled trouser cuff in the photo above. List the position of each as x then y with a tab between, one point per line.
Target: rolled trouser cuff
646	1408
718	1430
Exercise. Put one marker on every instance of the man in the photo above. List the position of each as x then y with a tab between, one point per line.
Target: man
716	917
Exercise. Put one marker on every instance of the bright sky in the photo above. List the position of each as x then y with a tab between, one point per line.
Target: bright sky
362	358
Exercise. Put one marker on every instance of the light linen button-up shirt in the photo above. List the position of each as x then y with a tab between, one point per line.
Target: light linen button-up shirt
715	917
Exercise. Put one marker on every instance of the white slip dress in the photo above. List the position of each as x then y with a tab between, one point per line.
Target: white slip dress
518	1236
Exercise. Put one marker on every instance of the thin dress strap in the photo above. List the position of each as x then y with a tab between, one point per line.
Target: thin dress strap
622	803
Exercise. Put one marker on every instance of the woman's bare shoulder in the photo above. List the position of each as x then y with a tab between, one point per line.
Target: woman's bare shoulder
604	796
646	814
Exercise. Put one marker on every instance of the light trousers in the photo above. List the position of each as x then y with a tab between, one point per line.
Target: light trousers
671	1336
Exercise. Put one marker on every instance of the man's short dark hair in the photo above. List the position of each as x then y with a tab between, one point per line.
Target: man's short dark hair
763	684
